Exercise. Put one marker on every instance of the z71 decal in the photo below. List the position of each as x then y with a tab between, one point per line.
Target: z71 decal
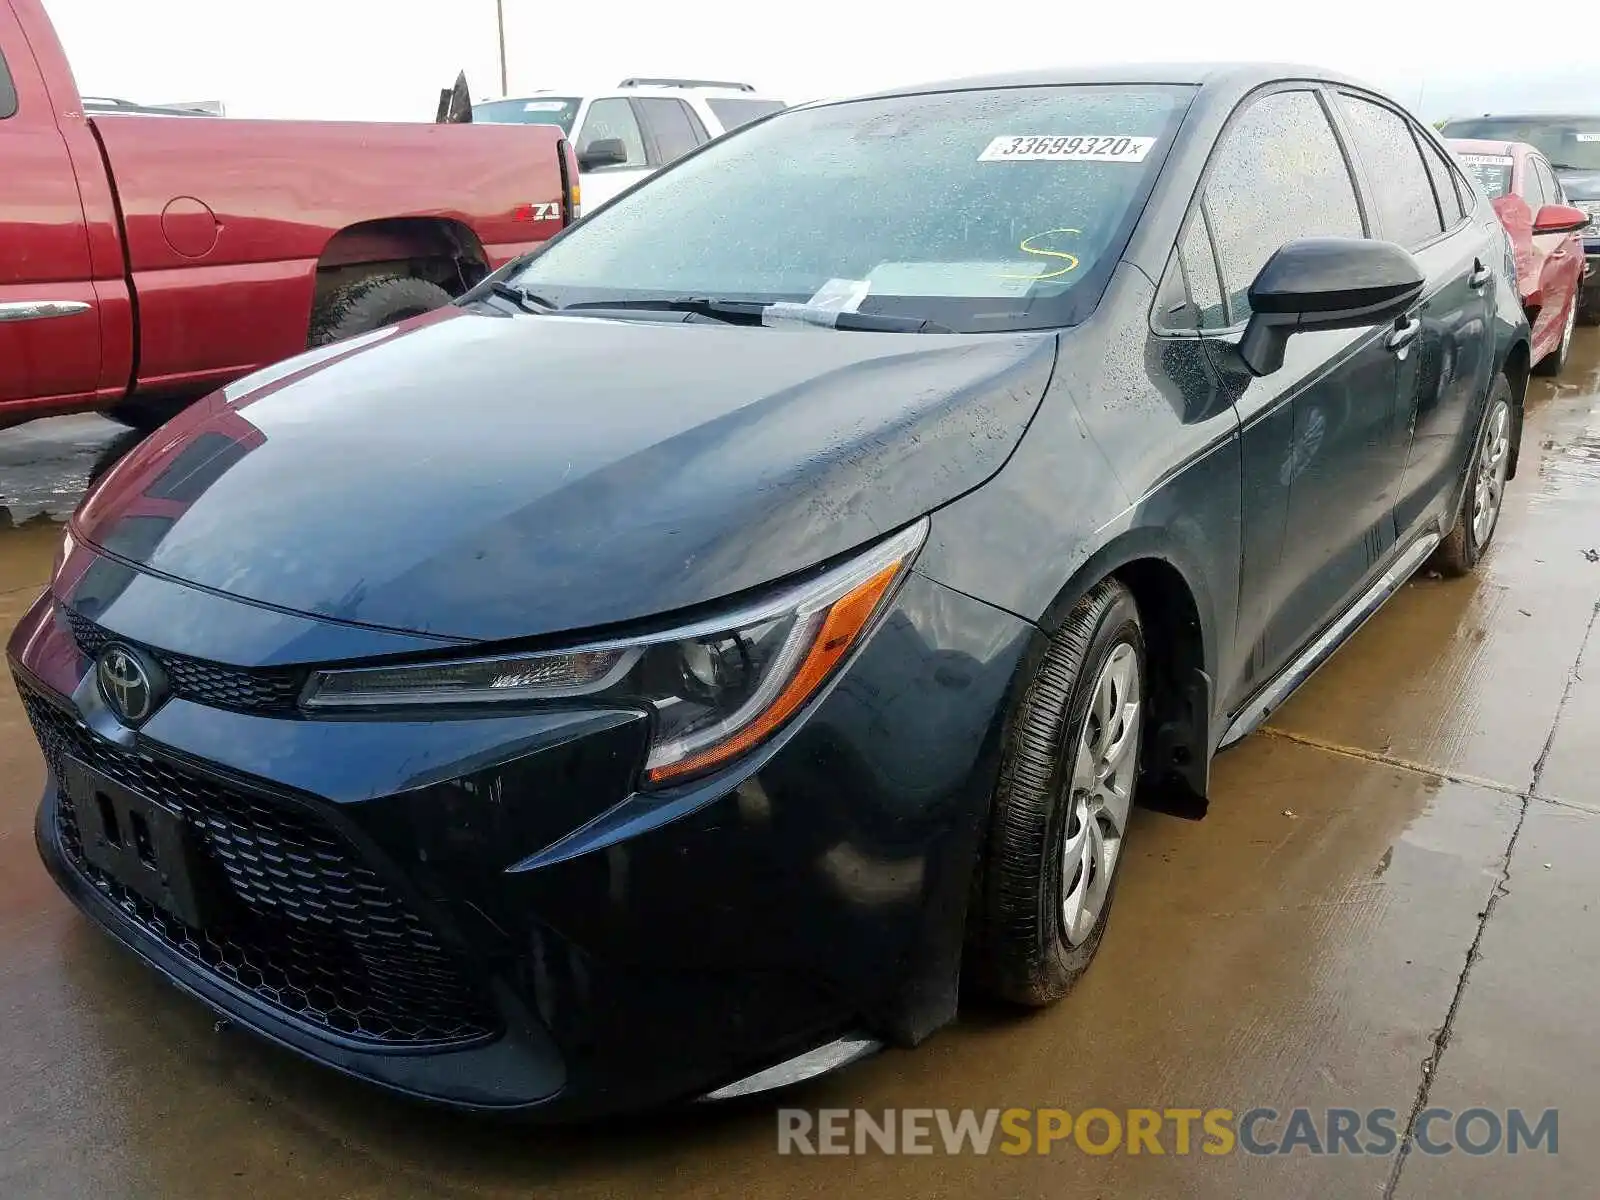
537	212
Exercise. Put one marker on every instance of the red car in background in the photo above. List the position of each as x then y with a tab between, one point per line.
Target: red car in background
1545	238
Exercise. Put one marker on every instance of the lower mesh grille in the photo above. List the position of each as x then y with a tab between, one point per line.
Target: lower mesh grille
301	924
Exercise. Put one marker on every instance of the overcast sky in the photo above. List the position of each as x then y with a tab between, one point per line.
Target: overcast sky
387	59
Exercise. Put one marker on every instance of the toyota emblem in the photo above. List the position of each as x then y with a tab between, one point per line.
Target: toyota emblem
127	683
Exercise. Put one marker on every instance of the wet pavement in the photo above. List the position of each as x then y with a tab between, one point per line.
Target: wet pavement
1388	907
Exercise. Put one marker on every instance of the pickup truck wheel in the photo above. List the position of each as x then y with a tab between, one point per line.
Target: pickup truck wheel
372	303
1068	775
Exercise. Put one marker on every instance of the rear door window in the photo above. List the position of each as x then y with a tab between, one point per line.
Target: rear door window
671	125
1407	210
1277	175
612	117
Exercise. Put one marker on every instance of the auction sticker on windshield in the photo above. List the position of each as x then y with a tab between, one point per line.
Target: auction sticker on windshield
1067	148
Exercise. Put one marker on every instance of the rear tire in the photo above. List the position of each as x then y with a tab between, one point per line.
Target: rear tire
372	303
1068	778
1484	494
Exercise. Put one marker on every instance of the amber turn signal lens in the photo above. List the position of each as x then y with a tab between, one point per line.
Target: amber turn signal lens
846	618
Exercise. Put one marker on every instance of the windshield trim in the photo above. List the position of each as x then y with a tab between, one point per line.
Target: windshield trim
1079	304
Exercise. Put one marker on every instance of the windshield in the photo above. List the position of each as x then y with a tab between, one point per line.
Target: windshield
1571	143
976	210
1492	171
538	110
734	113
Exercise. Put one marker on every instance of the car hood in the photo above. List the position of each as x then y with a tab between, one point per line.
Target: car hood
480	476
1580	185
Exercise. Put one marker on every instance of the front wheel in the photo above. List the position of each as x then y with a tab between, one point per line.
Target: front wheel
1068	776
1484	494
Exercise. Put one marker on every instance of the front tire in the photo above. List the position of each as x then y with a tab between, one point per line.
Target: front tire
1484	495
1068	778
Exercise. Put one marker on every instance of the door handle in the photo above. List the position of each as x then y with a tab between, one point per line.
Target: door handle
1405	332
33	310
1480	275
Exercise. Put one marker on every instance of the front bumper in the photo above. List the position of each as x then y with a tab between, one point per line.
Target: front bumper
482	912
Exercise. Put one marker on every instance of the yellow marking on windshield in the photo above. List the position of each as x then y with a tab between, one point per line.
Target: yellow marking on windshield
1026	248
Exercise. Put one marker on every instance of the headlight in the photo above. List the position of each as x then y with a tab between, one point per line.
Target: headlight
716	688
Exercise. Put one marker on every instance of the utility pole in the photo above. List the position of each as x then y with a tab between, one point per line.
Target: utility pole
500	23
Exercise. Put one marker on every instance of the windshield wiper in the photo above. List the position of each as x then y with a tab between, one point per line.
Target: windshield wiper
730	311
749	312
1568	167
524	300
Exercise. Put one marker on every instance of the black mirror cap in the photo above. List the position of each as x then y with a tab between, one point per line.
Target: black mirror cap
1321	277
1325	283
602	152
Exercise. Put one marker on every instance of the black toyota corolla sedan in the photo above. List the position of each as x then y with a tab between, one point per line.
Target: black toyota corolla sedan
722	640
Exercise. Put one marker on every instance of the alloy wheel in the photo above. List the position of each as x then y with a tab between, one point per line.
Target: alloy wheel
1105	766
1494	460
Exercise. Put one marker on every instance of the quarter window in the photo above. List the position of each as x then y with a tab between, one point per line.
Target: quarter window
1444	183
673	127
613	117
1278	175
1191	297
1399	180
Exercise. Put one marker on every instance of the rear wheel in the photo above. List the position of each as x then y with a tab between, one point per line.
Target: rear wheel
1485	491
1068	777
372	303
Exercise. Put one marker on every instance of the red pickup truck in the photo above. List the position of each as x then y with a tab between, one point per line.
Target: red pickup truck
147	259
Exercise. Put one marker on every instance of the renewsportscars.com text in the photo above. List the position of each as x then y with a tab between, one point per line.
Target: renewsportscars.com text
1179	1131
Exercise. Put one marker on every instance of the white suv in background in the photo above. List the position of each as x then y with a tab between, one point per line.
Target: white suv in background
626	134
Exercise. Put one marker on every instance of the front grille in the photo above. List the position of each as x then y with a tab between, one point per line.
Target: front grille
300	923
258	690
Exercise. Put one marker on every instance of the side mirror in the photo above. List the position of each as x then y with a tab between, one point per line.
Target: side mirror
1559	218
602	152
1325	283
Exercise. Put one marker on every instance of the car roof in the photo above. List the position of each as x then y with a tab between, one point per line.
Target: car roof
1491	146
1229	75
